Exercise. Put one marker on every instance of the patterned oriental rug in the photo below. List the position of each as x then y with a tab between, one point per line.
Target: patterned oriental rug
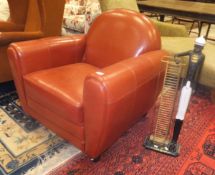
128	157
26	147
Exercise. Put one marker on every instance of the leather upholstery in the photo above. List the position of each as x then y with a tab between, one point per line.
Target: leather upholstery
69	94
29	19
109	50
90	88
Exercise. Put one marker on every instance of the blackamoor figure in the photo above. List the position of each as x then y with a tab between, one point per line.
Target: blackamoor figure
196	59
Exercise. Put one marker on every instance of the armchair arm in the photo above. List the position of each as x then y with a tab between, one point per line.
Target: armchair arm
47	52
121	93
6	26
173	30
9	37
30	56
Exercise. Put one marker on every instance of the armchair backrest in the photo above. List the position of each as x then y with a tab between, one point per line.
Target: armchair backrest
119	34
33	19
18	10
38	15
45	16
51	16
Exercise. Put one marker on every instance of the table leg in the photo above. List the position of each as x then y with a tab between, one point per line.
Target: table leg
162	18
200	28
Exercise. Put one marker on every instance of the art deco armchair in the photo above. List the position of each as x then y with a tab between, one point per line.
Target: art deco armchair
29	19
90	88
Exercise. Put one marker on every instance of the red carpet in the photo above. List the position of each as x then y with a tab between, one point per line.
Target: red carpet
202	159
127	156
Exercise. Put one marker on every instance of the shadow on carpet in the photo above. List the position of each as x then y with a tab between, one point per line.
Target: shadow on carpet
128	157
26	147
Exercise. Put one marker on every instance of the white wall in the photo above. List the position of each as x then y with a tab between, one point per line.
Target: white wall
4	10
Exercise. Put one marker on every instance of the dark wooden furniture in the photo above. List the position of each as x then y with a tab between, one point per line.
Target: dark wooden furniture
197	11
193	10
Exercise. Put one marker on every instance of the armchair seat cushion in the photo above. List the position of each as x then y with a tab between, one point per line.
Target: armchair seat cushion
60	89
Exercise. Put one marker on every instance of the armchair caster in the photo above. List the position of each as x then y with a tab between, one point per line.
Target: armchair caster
95	159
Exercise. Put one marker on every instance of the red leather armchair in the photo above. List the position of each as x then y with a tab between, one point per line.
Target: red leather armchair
90	88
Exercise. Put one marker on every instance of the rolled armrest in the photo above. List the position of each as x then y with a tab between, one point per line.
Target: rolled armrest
30	56
6	26
117	96
9	37
46	53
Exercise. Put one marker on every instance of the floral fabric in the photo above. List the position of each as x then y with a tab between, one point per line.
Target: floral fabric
79	14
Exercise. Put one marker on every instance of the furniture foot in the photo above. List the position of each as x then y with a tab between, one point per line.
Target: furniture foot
207	33
95	159
144	115
213	95
162	17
